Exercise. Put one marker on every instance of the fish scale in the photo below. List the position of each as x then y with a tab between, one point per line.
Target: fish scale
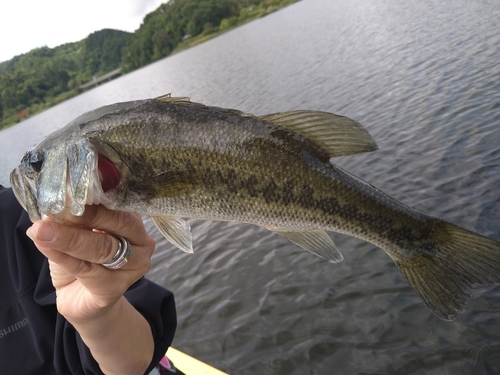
172	159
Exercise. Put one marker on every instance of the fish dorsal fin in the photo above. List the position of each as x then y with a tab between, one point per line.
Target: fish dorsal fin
182	100
336	135
314	241
177	231
186	101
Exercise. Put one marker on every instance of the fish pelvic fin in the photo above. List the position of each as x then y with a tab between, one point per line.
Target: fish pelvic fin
443	278
177	231
314	241
336	135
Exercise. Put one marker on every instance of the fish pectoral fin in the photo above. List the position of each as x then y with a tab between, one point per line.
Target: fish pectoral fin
172	183
314	241
177	231
334	134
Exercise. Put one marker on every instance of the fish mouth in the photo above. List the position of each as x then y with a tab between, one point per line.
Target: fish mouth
81	183
69	179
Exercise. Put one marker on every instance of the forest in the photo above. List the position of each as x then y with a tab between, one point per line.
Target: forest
34	81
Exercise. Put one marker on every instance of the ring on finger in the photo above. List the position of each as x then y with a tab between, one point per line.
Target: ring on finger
122	255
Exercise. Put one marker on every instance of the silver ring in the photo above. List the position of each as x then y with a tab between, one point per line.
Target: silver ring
122	255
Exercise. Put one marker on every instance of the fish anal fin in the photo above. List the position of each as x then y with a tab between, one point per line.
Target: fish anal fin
314	241
176	230
336	135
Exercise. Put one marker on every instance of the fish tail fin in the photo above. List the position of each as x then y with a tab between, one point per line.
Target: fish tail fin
443	276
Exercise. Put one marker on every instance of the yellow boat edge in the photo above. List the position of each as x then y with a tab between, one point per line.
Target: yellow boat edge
190	365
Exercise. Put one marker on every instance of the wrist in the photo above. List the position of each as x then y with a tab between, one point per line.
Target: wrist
119	338
96	316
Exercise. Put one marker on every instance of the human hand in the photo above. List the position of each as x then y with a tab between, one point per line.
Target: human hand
76	250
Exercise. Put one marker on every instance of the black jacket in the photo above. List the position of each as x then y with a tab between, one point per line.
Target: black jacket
34	337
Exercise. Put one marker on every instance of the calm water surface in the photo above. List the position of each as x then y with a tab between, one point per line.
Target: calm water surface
424	78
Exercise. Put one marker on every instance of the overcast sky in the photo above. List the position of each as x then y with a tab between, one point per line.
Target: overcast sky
28	24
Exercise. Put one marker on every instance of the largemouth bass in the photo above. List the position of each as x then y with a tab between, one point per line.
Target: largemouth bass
171	159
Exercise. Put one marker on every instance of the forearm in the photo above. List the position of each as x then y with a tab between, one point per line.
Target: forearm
120	339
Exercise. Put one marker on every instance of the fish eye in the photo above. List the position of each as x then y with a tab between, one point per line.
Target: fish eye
36	160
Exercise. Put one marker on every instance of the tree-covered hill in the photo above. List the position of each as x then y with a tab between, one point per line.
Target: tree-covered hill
45	76
163	29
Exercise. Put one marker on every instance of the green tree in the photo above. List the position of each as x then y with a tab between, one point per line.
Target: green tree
102	52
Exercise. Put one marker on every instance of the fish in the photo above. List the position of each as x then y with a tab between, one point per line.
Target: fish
173	159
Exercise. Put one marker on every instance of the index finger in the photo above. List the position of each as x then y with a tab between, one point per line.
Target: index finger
118	223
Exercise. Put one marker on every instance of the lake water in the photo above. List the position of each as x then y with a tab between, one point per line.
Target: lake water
424	78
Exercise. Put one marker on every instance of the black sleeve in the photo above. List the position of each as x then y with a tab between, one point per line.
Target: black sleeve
47	342
155	303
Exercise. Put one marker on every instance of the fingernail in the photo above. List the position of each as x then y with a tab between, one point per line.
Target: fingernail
42	231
